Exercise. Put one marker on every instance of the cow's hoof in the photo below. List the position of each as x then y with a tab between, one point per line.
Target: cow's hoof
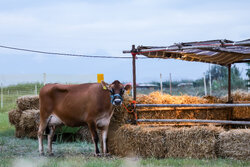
97	154
106	155
51	154
41	154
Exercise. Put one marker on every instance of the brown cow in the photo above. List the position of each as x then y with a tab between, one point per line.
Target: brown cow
76	105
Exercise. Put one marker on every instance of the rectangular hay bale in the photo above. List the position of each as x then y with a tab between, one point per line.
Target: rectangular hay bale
235	144
185	113
241	113
14	116
30	102
164	142
28	124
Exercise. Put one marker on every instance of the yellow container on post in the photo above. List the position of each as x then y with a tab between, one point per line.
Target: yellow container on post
100	78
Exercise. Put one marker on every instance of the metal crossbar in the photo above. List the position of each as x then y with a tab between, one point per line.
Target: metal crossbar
193	105
196	121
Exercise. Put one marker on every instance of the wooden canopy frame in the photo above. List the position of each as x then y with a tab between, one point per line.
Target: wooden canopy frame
222	52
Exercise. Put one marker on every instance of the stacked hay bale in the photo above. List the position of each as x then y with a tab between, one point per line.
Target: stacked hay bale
235	144
164	142
28	103
26	117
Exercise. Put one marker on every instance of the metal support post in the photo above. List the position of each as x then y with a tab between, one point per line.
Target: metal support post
133	52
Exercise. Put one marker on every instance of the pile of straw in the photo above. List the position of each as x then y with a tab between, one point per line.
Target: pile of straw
235	144
158	98
180	113
163	142
28	103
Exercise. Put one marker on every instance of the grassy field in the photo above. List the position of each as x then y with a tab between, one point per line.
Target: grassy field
24	152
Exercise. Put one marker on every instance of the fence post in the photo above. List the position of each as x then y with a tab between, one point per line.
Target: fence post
35	89
1	95
205	85
210	81
44	78
170	83
161	83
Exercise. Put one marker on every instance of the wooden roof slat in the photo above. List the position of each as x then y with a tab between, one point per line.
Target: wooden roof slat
221	52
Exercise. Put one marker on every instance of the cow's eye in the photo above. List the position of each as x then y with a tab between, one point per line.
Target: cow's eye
122	91
112	91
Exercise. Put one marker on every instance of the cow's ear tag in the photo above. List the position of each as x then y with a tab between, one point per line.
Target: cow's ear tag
104	87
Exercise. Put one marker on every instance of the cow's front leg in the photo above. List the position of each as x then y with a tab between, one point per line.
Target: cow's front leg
92	127
105	140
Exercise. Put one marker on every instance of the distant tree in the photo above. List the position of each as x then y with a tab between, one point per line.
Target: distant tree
248	70
219	76
248	74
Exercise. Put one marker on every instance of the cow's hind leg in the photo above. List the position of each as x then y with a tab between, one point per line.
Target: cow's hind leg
95	138
42	126
50	139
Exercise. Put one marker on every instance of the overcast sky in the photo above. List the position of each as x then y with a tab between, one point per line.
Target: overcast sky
107	28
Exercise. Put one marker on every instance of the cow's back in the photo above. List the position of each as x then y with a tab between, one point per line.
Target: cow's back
75	104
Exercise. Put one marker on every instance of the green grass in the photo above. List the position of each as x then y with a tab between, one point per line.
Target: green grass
84	161
5	128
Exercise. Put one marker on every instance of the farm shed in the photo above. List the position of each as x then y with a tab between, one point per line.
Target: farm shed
221	52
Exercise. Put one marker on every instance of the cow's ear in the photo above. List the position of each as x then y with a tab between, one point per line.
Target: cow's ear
105	86
128	87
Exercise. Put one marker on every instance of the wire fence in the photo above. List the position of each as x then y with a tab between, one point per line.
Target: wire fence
14	86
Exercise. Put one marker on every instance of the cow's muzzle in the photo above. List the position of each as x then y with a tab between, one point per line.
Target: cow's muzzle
116	99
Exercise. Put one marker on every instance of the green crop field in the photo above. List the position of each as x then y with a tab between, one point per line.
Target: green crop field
18	152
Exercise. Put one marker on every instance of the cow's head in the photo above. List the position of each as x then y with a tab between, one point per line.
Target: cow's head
117	90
